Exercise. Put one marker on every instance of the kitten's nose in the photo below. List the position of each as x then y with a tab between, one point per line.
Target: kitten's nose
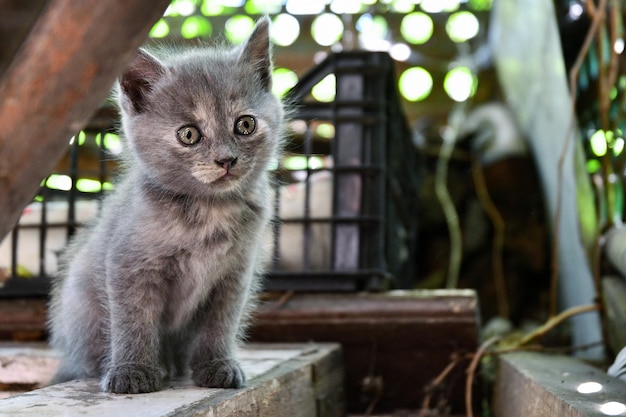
226	163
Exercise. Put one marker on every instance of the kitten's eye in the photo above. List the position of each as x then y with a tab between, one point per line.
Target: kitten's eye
188	135
245	125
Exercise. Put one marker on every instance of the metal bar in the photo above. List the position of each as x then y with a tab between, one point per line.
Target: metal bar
71	208
43	229
14	243
306	235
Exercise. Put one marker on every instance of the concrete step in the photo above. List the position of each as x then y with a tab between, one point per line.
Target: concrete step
544	385
285	380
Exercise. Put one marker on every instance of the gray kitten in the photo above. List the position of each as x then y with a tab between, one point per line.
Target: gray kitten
163	279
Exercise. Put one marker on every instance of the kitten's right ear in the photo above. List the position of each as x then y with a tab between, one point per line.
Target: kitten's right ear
139	78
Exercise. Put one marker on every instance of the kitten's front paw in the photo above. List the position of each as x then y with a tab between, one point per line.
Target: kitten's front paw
218	373
132	378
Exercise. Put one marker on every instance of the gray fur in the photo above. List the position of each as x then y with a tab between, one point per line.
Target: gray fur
165	276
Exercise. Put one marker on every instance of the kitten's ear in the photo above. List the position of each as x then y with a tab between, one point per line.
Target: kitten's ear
257	51
139	78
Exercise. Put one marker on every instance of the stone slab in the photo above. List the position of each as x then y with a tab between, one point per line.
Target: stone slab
542	385
284	381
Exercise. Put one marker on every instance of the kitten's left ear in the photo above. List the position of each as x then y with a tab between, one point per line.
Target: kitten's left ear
257	51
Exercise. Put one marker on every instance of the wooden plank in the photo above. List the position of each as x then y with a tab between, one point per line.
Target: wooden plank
15	22
60	75
23	319
407	413
541	385
284	381
394	343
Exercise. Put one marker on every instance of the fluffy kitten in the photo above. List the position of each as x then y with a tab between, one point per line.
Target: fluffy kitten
164	278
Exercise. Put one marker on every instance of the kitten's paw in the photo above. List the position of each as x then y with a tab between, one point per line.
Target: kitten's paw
218	373
132	378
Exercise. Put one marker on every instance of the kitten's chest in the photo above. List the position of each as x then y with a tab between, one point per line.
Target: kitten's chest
206	246
197	267
204	249
199	227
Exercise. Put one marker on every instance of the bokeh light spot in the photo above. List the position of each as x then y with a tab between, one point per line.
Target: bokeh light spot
459	84
417	28
462	26
598	143
346	6
283	79
327	29
325	90
415	84
160	29
195	27
270	7
285	29
238	28
439	6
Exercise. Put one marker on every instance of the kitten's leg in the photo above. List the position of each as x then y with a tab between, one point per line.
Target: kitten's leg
78	325
213	364
136	306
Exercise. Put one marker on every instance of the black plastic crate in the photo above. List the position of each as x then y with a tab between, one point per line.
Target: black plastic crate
349	224
365	236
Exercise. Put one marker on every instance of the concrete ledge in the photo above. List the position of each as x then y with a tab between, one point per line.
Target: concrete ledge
25	367
284	381
541	385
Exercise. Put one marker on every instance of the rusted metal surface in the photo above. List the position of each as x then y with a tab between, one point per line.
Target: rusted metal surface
394	344
60	74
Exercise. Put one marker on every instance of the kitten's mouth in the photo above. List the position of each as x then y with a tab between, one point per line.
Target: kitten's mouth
227	176
226	180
